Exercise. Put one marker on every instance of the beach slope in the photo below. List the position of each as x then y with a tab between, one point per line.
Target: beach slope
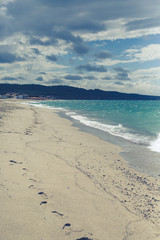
57	182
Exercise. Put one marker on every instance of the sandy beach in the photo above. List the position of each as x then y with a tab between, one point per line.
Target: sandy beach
57	182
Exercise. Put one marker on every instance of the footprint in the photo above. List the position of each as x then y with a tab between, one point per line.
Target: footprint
25	169
31	186
43	194
60	214
33	180
44	202
66	225
84	238
12	161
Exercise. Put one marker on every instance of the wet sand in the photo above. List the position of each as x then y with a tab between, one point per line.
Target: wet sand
57	182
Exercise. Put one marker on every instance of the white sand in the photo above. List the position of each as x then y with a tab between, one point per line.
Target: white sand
59	183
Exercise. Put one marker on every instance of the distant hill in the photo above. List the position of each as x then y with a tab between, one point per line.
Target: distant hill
67	92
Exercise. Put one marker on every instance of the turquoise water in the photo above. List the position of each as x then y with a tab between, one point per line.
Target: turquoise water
134	121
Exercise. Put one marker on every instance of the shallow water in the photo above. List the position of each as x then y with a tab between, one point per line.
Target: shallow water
133	125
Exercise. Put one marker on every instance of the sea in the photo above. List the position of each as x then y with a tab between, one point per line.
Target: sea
133	125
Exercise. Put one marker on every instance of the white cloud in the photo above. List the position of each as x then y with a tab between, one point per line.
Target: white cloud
148	53
146	81
5	2
110	62
116	30
152	73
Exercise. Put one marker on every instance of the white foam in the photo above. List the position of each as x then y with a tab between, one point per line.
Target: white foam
70	113
155	145
40	105
116	130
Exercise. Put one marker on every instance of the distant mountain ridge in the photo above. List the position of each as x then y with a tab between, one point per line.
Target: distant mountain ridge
68	92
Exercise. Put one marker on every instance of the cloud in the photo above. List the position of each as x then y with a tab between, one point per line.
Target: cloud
121	74
8	78
90	68
39	79
73	77
90	77
150	52
6	57
36	51
85	25
43	73
39	19
43	18
81	48
119	83
147	53
77	43
120	69
34	29
142	24
107	78
117	29
56	81
37	41
52	58
103	55
78	77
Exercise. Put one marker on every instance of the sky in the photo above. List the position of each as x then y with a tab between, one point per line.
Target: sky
93	44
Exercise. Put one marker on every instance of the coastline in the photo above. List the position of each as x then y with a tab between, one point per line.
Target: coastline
139	157
60	183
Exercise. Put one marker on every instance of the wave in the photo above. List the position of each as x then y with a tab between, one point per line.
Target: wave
155	145
42	105
116	130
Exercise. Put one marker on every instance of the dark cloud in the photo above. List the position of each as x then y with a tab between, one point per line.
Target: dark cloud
85	25
119	83
67	36
142	24
120	69
91	68
52	58
73	77
55	81
8	78
43	73
90	78
21	78
37	41
39	79
122	74
44	17
6	57
81	48
103	55
36	51
63	3
77	42
78	77
46	22
102	10
107	78
57	19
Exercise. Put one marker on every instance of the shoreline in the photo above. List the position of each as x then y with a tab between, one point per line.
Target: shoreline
138	157
62	183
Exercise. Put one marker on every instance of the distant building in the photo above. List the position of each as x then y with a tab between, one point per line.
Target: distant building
25	96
